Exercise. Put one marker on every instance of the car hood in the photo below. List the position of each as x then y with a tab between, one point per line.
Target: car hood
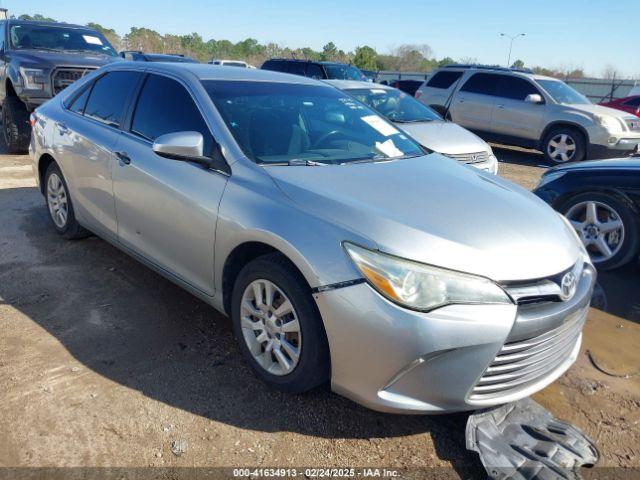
41	59
629	163
444	137
434	210
598	110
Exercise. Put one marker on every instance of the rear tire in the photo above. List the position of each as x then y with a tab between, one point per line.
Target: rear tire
256	323
564	144
15	125
59	205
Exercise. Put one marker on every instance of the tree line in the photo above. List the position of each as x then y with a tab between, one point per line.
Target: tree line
408	57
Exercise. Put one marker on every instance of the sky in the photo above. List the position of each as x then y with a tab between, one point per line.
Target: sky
587	34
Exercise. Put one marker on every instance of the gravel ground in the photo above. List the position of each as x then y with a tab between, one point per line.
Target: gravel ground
104	363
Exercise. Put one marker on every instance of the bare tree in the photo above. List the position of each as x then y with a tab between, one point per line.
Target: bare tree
610	72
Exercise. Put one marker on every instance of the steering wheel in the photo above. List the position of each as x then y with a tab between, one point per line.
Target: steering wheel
326	137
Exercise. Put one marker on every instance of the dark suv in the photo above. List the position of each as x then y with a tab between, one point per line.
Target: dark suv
37	61
317	70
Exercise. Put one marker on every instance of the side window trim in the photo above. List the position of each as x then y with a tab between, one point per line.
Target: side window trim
136	99
71	100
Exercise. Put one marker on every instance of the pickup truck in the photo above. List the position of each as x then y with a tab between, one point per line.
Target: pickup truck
37	61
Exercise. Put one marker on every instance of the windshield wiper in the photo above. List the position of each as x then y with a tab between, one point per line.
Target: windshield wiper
297	162
418	120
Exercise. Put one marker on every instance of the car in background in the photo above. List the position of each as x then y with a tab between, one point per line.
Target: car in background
340	250
138	56
407	86
601	199
626	104
230	63
316	70
518	107
423	124
37	61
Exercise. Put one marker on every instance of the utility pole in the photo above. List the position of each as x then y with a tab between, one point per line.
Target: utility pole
512	38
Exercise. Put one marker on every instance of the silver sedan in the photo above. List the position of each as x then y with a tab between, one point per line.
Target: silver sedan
341	251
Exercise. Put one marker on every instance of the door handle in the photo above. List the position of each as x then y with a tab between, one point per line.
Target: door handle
63	129
500	107
123	158
461	100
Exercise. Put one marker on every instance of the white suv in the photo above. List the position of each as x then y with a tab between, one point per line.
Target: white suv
517	107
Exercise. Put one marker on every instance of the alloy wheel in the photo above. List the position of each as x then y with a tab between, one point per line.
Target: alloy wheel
270	327
57	200
561	148
599	227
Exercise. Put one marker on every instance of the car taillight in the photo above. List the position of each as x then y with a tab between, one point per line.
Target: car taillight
418	93
33	119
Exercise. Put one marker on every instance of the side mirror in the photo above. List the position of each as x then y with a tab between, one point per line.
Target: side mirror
180	145
534	98
189	147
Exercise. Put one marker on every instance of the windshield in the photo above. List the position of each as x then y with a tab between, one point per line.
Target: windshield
285	123
344	72
563	93
46	37
397	106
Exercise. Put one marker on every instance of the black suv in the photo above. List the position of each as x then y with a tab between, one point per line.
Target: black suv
37	61
317	70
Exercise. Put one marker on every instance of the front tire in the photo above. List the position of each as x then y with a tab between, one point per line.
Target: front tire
278	326
59	205
607	227
15	125
564	144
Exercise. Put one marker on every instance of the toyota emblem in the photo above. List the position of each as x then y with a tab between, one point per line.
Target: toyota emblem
568	286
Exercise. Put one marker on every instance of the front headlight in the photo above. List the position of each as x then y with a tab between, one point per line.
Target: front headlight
422	287
34	78
610	124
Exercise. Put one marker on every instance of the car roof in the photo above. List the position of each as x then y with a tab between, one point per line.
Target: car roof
355	84
306	60
40	23
204	71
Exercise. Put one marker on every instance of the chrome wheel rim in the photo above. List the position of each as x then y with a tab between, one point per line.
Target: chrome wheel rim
561	148
270	327
57	200
599	227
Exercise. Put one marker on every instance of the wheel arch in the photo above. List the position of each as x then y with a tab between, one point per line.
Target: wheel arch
603	190
565	124
43	164
240	256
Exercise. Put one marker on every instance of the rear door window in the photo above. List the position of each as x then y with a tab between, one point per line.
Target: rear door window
483	83
515	88
296	68
110	95
78	103
634	102
165	106
314	71
443	79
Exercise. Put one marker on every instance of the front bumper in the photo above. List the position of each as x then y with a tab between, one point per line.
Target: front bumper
612	145
396	360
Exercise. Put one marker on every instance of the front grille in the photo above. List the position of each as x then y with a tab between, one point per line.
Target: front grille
633	124
523	362
475	157
63	77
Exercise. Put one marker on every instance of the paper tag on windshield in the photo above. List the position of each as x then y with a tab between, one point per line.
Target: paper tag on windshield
389	149
380	125
92	40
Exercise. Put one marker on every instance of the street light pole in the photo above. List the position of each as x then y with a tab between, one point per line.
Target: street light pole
512	38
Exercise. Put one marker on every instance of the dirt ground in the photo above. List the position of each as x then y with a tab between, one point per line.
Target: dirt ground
104	363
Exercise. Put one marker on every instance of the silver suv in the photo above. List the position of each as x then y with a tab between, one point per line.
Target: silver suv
517	107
